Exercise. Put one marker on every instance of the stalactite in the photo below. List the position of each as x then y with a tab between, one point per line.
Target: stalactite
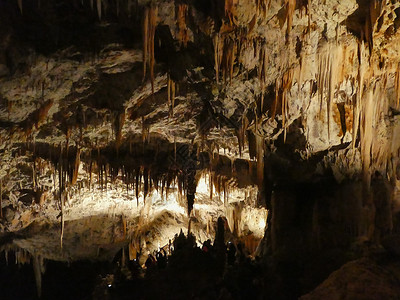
230	11
152	21
77	162
228	59
210	183
145	183
162	186
106	175
62	219
37	268
169	92
260	159
90	173
1	198
225	194
40	115
98	6
124	226
137	183
174	149
145	39
262	68
216	56
119	124
263	5
171	96
20	5
282	87
367	133
183	30
290	8
397	85
359	96
330	74
149	29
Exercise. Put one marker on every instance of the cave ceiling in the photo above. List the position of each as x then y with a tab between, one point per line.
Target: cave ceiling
117	106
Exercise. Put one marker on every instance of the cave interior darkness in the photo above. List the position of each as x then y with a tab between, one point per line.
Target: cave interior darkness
199	149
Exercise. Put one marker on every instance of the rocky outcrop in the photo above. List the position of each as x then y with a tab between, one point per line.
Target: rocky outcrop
361	279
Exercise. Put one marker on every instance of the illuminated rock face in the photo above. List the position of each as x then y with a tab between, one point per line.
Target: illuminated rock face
171	112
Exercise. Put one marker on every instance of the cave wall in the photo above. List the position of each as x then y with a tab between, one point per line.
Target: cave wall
266	93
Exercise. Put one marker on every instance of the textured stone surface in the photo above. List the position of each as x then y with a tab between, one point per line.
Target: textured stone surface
361	279
149	96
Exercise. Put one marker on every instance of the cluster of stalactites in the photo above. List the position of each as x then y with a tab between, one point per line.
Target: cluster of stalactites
369	105
101	6
282	87
140	179
222	185
225	51
62	159
34	120
23	257
68	163
228	51
376	152
262	6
